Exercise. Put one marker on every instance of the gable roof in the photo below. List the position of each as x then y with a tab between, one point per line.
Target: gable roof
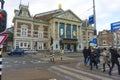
47	15
68	11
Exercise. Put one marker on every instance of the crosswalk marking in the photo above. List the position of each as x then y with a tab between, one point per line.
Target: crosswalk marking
85	73
71	74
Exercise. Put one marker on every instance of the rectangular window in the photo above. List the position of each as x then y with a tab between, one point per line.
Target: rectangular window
68	31
23	44
40	46
40	34
24	32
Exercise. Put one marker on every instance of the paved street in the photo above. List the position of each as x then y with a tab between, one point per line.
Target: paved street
20	62
38	67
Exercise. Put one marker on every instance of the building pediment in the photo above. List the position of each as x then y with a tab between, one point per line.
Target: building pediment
68	15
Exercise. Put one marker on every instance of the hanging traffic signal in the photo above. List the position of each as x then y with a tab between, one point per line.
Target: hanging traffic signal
3	20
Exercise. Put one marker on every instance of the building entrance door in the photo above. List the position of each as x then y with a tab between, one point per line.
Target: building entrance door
75	48
68	46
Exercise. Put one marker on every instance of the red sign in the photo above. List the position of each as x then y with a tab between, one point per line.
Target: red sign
3	37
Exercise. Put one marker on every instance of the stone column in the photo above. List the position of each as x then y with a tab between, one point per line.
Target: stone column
58	30
65	31
77	31
71	31
32	38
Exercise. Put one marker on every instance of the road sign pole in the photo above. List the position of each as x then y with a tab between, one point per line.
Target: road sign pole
1	62
3	37
95	30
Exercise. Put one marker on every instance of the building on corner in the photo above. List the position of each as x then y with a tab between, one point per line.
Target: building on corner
50	30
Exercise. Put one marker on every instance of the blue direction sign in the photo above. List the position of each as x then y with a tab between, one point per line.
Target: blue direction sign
91	19
94	40
115	26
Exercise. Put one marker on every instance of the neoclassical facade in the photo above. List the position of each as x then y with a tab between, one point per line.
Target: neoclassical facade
50	30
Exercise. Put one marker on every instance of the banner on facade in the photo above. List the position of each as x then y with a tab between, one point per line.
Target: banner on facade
61	30
74	31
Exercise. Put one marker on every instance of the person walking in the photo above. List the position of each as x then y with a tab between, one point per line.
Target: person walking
93	58
114	60
88	58
85	55
61	54
106	58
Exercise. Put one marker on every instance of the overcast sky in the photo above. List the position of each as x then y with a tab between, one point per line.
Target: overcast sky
107	11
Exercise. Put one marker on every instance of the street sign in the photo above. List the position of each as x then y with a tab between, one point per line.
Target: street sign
91	19
115	26
3	37
94	40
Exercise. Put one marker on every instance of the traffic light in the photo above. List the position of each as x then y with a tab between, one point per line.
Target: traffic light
3	20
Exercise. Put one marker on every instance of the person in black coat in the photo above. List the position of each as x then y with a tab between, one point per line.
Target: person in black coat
93	58
88	58
114	60
85	55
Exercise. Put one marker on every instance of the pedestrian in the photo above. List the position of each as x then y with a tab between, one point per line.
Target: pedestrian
98	52
106	58
93	58
114	59
85	55
61	54
88	58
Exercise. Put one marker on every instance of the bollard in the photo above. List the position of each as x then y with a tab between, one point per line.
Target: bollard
53	57
61	54
50	58
61	58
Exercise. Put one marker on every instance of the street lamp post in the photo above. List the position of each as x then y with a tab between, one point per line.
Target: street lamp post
95	31
2	3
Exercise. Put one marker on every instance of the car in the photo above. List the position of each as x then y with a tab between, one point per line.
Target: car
31	52
68	51
16	52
